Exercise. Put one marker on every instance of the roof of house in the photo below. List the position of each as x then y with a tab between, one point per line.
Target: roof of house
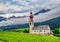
41	27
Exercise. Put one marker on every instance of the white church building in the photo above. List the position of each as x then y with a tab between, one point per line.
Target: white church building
41	29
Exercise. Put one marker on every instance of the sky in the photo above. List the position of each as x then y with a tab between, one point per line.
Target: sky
38	18
23	7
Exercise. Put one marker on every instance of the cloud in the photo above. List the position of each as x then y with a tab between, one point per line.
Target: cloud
8	6
48	15
35	1
21	5
14	14
38	18
24	6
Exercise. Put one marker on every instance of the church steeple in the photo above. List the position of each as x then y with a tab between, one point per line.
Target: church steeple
31	24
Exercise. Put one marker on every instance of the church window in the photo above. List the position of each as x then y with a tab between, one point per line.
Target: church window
34	30
40	31
44	31
30	23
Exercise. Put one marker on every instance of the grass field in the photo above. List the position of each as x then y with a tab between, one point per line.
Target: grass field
7	36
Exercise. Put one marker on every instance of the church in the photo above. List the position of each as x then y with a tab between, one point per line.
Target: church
41	29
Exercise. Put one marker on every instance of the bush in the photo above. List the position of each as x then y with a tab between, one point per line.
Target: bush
56	31
26	31
1	30
58	35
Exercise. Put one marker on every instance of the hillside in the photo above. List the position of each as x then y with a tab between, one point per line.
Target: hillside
25	37
54	23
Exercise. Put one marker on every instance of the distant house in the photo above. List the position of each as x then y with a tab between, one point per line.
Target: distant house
41	29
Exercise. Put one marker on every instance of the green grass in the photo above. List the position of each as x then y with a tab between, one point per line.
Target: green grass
7	36
21	29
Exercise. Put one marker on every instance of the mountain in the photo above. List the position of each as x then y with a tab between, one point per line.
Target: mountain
47	17
53	23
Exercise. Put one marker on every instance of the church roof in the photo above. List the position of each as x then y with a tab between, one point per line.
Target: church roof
41	27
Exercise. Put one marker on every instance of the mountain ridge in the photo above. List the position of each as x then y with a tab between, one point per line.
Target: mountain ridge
53	23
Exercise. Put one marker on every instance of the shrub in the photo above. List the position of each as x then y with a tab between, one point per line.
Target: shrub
26	31
58	35
56	31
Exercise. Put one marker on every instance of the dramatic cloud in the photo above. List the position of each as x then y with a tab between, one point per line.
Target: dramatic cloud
21	5
38	18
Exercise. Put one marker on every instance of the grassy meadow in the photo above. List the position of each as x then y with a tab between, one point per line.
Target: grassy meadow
11	36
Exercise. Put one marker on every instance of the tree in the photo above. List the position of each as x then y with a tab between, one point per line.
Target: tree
57	32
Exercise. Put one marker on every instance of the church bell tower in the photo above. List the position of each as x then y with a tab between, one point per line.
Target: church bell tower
31	23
